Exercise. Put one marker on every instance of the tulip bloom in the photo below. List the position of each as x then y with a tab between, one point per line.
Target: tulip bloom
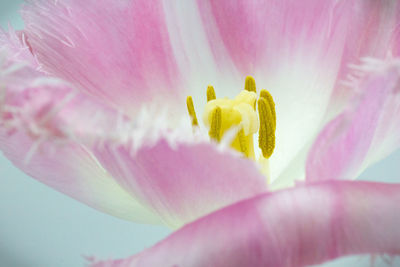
92	102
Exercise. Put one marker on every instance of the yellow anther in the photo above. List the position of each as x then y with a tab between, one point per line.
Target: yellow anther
265	94
210	93
192	113
216	120
243	142
266	137
223	114
250	84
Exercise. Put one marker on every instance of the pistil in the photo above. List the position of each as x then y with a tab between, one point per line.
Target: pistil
240	114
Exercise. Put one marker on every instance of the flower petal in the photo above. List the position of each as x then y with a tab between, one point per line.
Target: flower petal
118	51
39	121
184	181
72	170
373	28
297	227
17	44
366	132
293	49
194	53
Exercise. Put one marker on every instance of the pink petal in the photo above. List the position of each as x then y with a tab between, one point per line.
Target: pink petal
40	119
184	181
72	170
53	114
297	227
373	28
396	44
264	33
293	49
118	51
17	44
366	132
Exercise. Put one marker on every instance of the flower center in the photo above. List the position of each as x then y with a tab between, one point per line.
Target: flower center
240	115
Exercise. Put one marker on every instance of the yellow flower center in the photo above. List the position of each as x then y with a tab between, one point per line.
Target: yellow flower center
222	115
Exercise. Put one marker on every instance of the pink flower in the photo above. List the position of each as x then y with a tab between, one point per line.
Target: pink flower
92	103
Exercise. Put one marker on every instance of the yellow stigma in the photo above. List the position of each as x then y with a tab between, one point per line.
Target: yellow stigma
240	114
235	114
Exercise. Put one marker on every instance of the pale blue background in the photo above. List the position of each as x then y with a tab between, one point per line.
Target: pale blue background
40	227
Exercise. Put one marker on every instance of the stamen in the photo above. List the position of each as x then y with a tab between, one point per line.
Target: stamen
250	84
222	114
266	137
192	113
265	94
210	93
216	121
243	143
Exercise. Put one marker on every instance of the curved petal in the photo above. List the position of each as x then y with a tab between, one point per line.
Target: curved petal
297	227
372	33
366	132
71	169
184	181
293	49
118	51
39	121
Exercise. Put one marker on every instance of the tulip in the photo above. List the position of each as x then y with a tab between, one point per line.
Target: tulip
101	100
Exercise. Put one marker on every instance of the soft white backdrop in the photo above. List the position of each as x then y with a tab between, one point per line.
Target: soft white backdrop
40	227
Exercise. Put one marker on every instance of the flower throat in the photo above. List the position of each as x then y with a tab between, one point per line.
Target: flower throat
240	114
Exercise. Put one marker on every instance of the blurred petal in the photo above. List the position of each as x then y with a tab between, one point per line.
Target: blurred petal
184	181
293	49
373	28
396	44
17	44
72	170
297	227
366	132
118	51
39	121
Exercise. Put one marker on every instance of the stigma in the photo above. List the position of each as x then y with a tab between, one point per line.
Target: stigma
245	115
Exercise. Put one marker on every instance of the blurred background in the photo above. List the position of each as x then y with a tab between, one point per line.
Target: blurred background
40	227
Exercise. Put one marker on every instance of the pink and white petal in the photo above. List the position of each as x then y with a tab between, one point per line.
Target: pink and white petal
373	28
71	169
195	55
40	120
181	181
16	43
302	226
363	134
293	49
118	51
